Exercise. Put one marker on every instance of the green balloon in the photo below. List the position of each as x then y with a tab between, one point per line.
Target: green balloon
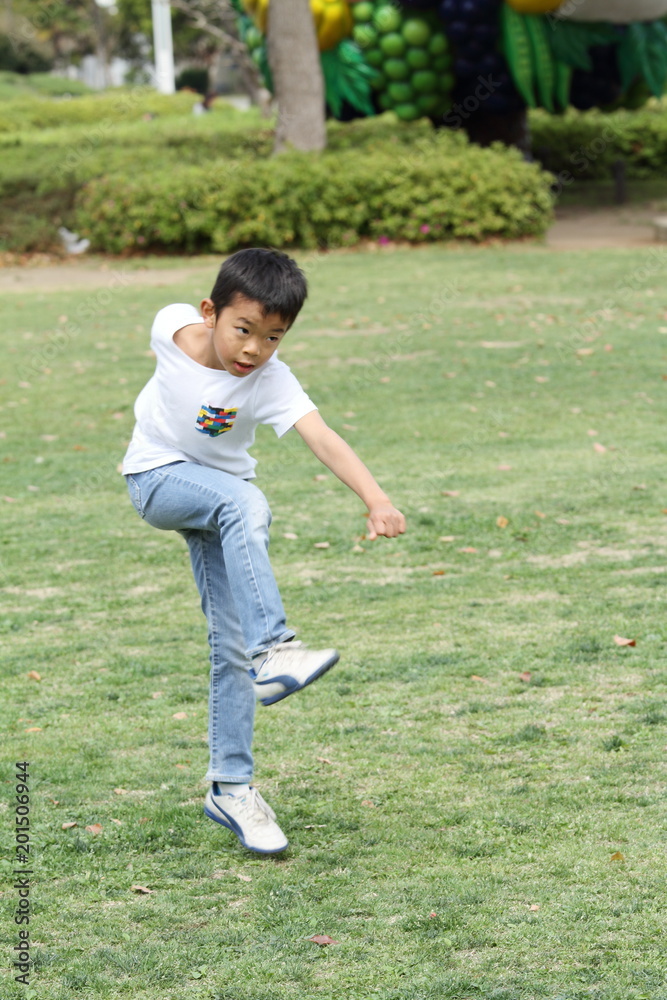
438	45
400	93
429	102
415	31
374	57
393	44
362	12
396	69
253	37
424	81
385	102
407	112
386	18
418	58
441	63
379	81
364	35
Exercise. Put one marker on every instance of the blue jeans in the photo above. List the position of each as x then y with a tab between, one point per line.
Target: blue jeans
225	522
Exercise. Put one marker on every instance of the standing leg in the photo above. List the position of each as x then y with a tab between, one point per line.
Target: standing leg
232	696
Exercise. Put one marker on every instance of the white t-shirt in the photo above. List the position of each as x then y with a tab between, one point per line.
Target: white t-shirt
190	413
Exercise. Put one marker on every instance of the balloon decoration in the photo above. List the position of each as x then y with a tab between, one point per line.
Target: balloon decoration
447	59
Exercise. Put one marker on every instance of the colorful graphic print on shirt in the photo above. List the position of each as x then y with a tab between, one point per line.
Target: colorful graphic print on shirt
213	420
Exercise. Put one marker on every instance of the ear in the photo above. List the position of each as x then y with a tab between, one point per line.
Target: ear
208	312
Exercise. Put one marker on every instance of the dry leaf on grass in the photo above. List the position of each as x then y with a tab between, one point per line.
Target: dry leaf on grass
120	791
476	677
140	888
525	676
34	676
451	493
617	856
290	535
180	715
245	878
600	448
432	915
94	828
621	641
468	549
504	468
534	907
322	939
34	729
502	522
368	803
324	760
68	826
438	572
322	545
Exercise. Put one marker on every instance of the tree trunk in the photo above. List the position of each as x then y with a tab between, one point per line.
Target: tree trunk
297	75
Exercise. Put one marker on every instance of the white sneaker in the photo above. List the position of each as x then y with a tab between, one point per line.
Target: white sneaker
249	817
288	667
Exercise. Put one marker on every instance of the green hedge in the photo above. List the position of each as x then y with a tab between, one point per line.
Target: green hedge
178	182
583	146
439	188
112	106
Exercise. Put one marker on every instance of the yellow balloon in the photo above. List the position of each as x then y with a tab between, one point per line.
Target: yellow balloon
333	19
534	6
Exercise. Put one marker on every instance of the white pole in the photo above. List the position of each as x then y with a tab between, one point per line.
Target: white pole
164	47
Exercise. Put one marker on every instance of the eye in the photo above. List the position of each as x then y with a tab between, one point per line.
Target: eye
241	329
274	340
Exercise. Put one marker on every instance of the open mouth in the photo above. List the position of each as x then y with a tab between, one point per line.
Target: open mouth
241	367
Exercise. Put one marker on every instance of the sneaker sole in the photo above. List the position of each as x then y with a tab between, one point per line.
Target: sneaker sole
230	825
286	679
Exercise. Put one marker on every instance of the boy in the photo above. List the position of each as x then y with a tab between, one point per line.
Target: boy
188	469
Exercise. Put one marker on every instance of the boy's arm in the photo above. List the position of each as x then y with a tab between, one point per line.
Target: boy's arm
336	454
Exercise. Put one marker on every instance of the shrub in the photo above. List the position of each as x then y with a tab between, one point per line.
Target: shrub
117	105
22	58
583	146
439	188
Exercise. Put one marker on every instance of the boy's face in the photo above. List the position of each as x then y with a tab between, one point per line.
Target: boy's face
242	337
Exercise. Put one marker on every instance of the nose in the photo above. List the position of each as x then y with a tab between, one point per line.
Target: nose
251	346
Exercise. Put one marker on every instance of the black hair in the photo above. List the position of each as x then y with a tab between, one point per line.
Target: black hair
269	277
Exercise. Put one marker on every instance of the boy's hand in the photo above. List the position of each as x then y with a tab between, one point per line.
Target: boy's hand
384	519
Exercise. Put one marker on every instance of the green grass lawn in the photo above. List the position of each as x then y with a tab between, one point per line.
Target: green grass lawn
475	796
